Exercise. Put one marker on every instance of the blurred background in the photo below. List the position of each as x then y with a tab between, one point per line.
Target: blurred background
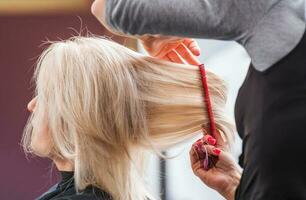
24	26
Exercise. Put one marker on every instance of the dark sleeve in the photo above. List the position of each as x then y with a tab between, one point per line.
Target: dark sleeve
84	197
212	19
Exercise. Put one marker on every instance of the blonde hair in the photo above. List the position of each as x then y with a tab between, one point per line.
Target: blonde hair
106	104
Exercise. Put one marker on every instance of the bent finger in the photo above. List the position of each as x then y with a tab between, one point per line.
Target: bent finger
222	141
166	58
193	46
211	150
187	55
193	155
175	57
210	140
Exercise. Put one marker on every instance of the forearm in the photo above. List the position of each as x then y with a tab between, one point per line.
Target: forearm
214	19
98	9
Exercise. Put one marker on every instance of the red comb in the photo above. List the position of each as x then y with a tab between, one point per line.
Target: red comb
207	100
208	161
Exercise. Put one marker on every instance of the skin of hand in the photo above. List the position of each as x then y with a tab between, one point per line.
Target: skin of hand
224	176
173	49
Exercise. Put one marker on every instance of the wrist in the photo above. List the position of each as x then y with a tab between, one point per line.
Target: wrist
229	192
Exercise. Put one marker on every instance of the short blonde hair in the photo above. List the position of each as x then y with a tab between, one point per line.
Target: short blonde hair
106	104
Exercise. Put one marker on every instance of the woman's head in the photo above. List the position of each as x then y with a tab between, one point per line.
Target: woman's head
99	105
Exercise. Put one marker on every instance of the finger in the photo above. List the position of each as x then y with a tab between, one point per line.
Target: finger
166	50
224	158
193	46
212	150
166	58
175	57
193	155
221	139
161	46
196	152
210	139
187	55
197	166
198	145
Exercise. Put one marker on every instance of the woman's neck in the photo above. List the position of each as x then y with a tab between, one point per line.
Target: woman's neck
63	165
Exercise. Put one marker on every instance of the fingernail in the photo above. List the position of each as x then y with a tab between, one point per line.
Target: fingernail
212	141
217	151
197	147
196	52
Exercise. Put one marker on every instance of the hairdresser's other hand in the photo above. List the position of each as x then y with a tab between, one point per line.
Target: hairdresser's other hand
174	49
224	177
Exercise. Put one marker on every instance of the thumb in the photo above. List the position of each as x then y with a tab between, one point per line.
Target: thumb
225	159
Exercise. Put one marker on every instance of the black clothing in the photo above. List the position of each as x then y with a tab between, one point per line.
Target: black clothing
65	190
270	115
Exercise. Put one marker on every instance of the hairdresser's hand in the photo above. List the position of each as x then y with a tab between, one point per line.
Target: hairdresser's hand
224	177
174	49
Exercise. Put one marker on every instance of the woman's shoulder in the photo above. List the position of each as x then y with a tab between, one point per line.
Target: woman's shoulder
69	193
81	197
86	196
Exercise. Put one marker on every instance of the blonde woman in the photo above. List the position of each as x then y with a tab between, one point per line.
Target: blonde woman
100	107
